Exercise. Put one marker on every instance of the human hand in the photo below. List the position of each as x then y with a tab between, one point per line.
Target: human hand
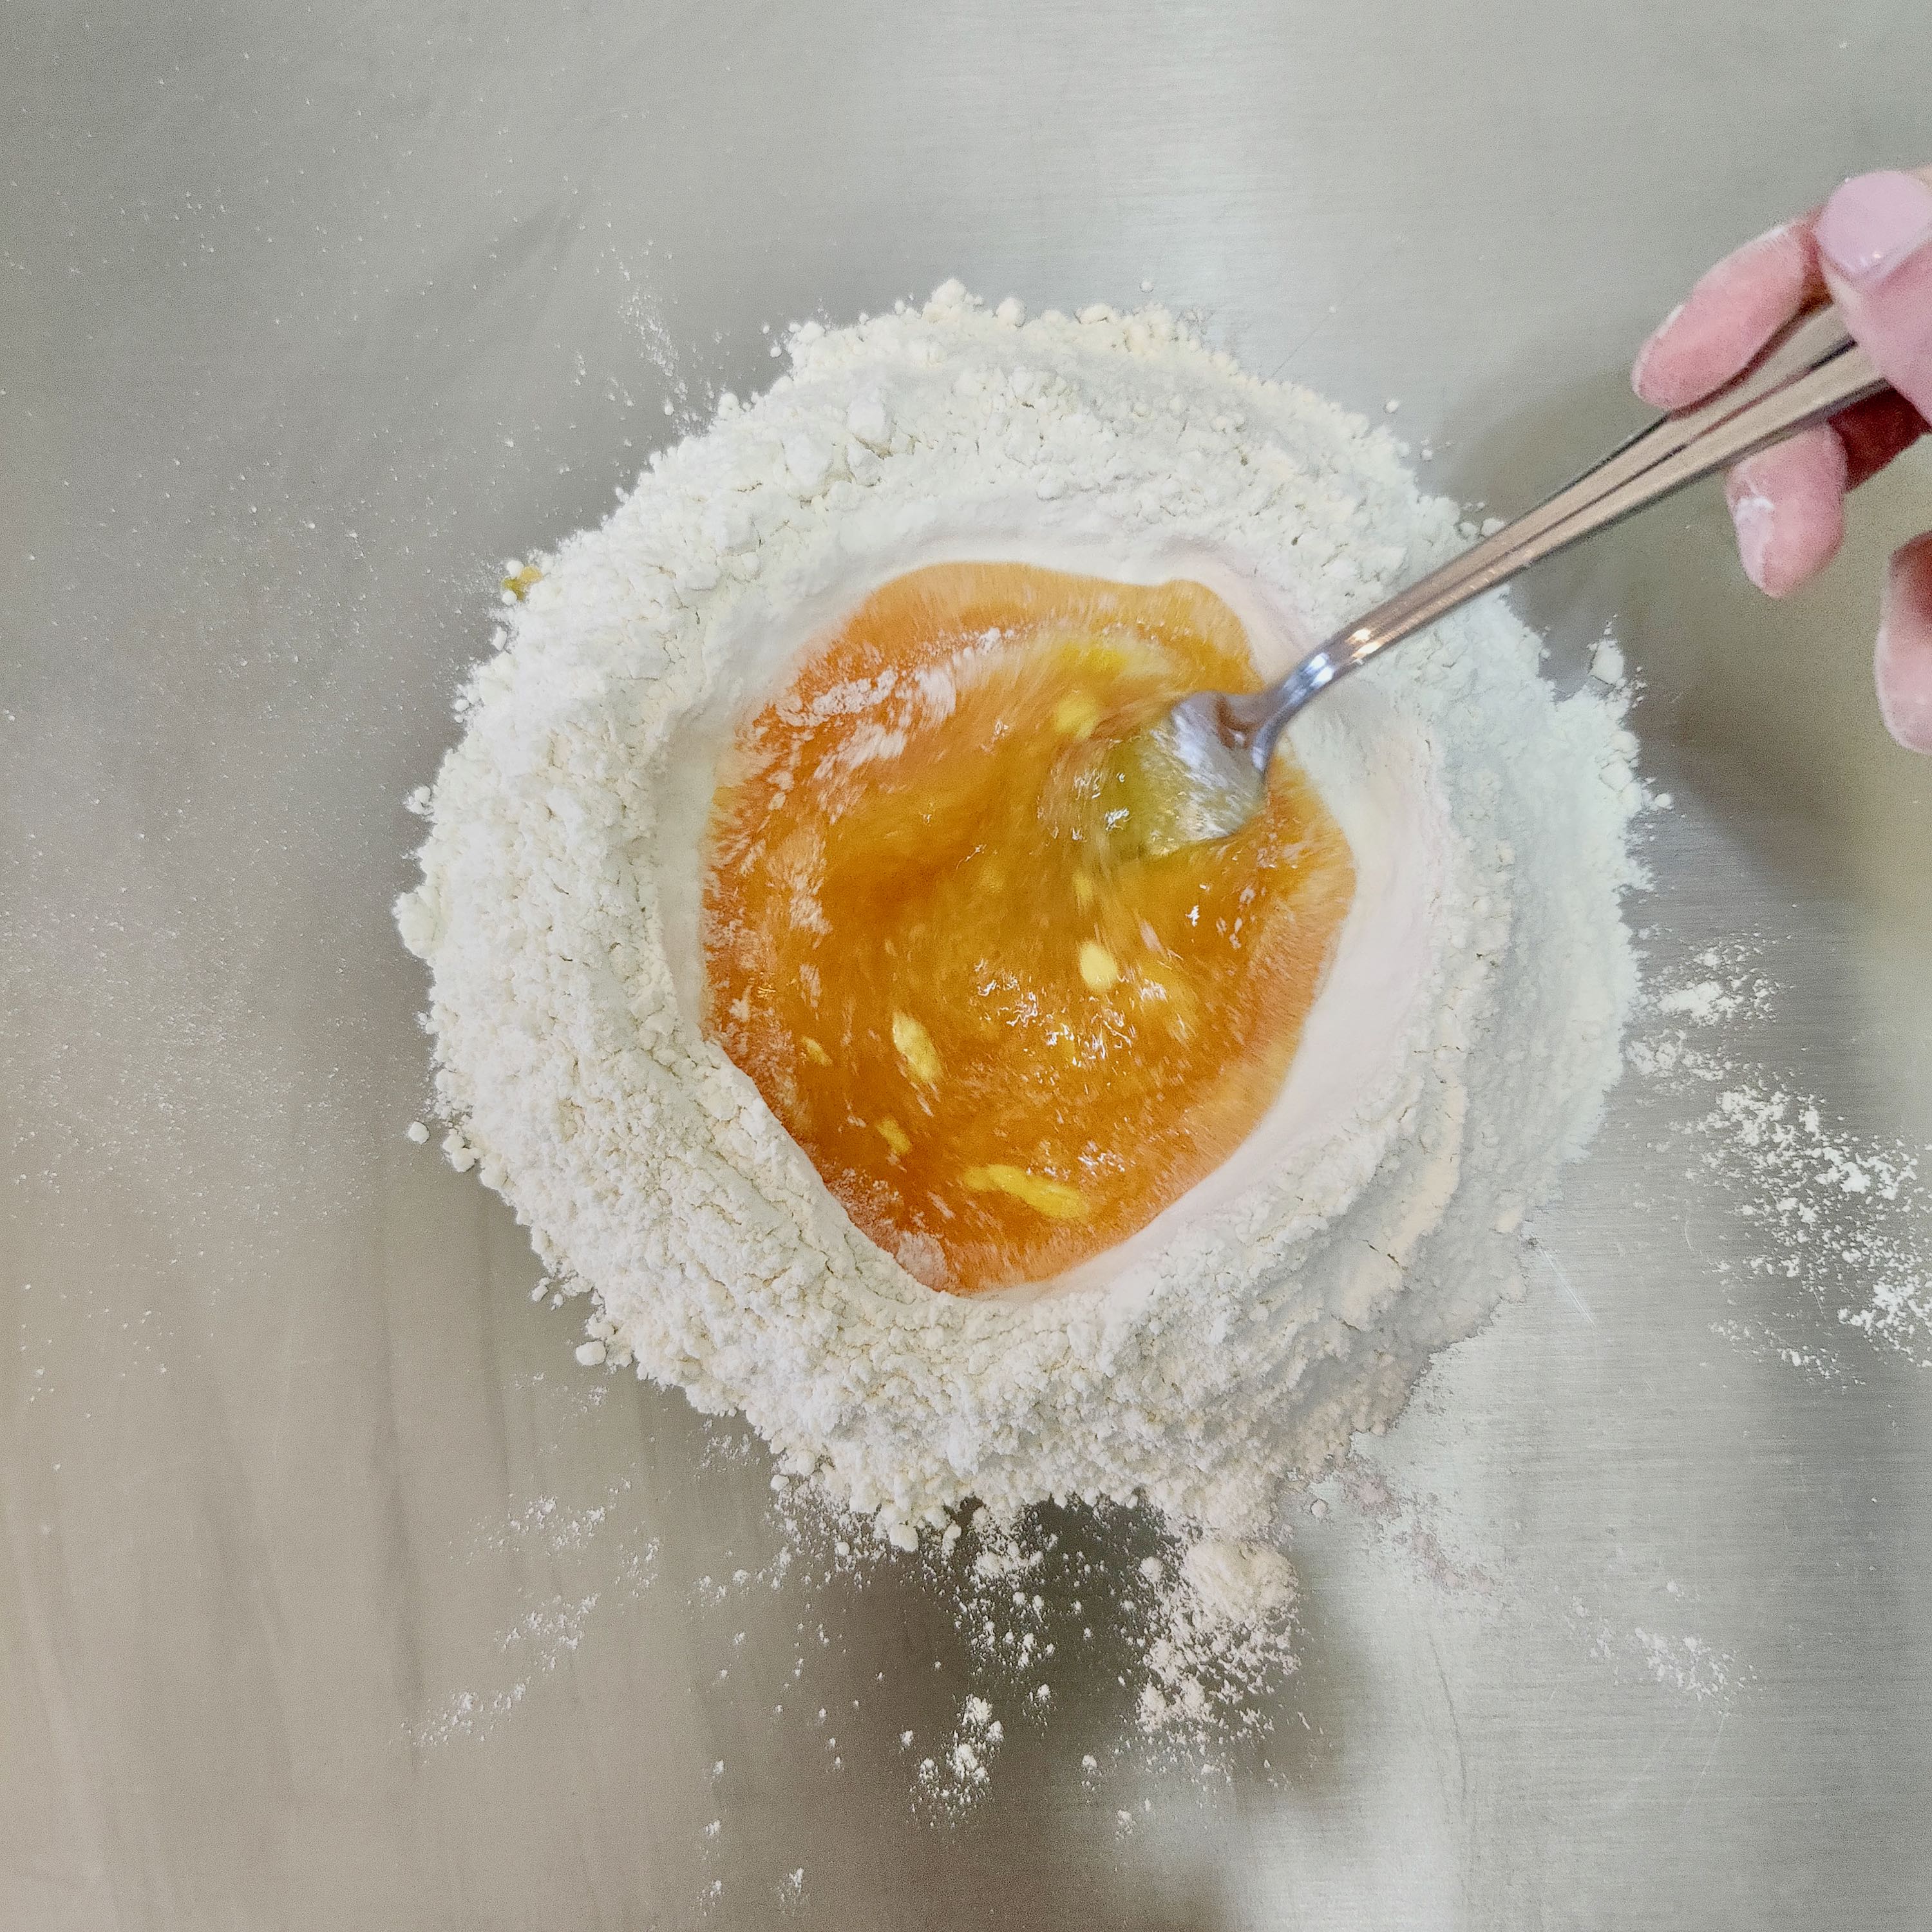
1870	249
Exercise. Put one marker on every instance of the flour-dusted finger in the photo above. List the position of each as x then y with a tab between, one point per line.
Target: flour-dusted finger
1736	308
1788	504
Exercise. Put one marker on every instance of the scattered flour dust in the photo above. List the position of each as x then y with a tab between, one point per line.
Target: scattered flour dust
1510	1591
547	1634
1457	1057
1836	1216
1687	1666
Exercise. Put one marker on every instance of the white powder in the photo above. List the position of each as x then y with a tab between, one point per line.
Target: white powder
1457	1056
1834	1216
1688	1665
1837	1215
1706	1002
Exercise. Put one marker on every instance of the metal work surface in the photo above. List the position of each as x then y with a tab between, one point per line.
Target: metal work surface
333	1592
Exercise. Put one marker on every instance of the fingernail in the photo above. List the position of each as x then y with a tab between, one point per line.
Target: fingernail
1872	223
1753	515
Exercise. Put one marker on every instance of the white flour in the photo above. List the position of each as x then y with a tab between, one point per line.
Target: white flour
1832	1217
1458	1056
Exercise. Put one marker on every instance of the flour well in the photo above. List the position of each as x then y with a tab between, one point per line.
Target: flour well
1457	1057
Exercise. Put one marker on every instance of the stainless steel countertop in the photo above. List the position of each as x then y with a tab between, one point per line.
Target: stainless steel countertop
311	316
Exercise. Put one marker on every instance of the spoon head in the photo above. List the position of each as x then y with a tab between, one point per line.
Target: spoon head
1180	782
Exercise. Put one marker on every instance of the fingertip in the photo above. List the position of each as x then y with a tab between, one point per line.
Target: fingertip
1787	504
1902	660
1644	378
1736	308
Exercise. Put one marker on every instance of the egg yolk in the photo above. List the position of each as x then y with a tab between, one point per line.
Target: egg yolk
1004	1044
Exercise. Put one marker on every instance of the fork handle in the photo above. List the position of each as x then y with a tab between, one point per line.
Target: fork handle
1809	373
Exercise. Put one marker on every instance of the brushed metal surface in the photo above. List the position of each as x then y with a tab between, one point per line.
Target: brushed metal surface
309	316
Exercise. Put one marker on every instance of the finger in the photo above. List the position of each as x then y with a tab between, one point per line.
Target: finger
1788	503
1873	432
1735	309
1903	660
1874	240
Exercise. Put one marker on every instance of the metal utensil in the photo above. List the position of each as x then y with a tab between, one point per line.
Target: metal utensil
1212	751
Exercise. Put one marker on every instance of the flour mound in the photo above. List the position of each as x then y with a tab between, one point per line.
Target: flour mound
1458	1054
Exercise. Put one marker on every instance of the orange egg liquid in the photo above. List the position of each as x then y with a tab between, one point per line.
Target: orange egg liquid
1003	1049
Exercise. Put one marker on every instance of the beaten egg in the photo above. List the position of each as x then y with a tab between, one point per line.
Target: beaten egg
1006	1039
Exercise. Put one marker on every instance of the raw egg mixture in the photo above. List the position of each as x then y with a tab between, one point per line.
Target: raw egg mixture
1005	1038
